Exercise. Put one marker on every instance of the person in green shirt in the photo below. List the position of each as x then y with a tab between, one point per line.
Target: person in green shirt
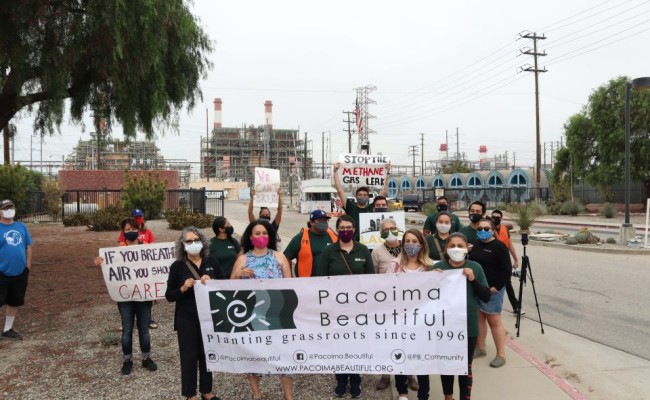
430	222
307	246
477	289
223	246
346	257
437	241
476	214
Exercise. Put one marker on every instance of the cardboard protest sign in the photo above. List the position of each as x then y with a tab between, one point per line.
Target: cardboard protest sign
137	273
370	226
363	169
267	182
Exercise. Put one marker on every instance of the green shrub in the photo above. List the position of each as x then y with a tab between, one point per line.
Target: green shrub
146	192
571	240
16	182
525	216
607	210
538	207
571	208
53	192
76	219
179	218
584	236
611	240
108	219
110	338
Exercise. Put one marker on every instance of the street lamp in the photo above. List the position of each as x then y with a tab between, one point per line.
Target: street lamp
638	84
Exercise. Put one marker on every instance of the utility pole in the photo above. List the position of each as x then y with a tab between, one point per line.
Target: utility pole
457	145
533	36
322	163
413	151
207	148
422	154
363	118
506	159
304	160
544	154
514	160
552	154
350	131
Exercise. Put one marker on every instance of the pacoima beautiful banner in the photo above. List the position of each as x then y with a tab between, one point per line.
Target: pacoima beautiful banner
137	273
363	169
370	226
412	323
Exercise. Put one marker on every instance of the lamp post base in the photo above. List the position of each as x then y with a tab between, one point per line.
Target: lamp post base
627	232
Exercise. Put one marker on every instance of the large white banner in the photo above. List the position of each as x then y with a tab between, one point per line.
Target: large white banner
370	226
411	323
267	182
137	273
363	169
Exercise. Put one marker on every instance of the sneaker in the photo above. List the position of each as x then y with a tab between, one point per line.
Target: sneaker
355	391
149	364
11	335
383	382
340	389
498	362
153	324
478	353
413	383
127	366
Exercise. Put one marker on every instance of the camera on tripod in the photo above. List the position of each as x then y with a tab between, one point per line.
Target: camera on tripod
526	271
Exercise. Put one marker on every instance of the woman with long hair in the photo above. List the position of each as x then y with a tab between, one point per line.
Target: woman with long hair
437	241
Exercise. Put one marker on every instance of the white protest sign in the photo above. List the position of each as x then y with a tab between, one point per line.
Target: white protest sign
370	226
413	323
267	182
137	273
363	169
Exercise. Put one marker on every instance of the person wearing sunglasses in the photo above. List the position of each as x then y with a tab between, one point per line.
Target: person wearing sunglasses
193	264
494	257
346	257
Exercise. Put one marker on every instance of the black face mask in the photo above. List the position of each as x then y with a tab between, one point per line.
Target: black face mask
441	207
229	230
131	236
475	217
496	220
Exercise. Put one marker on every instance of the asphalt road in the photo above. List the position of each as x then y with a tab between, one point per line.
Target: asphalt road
598	296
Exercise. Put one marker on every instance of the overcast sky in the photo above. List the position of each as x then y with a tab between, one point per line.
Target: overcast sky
436	65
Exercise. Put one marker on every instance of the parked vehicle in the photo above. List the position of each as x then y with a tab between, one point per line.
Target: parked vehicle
412	202
394	203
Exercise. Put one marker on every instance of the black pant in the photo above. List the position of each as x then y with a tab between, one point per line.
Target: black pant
355	379
464	381
401	384
190	346
512	297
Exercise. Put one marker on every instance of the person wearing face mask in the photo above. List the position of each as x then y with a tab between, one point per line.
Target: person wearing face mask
346	257
223	246
307	246
437	241
265	213
133	311
501	232
476	213
477	290
362	197
493	256
192	264
261	260
430	222
413	258
15	266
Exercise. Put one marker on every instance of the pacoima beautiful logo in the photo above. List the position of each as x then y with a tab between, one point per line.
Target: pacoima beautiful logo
253	310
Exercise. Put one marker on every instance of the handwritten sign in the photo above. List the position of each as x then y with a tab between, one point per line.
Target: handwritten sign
370	226
267	182
137	273
363	169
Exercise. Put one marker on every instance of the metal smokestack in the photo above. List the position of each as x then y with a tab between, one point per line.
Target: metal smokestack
217	112
268	113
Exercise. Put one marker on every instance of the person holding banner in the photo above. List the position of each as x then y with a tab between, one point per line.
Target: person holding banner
413	258
223	246
346	257
265	213
437	241
261	261
192	264
307	246
362	197
132	311
477	289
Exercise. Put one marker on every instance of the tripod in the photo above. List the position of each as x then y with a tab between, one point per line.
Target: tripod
526	270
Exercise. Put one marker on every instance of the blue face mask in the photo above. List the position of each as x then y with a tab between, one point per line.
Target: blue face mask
483	235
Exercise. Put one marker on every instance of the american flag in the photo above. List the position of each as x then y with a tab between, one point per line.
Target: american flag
358	117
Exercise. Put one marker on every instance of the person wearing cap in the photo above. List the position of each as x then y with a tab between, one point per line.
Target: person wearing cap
15	265
307	246
145	236
430	222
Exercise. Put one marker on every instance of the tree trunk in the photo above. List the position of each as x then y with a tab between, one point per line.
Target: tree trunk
5	144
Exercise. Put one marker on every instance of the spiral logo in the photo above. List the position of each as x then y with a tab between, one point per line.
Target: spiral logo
252	310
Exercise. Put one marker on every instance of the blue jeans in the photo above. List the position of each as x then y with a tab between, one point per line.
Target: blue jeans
129	312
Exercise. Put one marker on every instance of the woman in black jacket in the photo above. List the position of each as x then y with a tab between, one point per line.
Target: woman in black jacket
192	263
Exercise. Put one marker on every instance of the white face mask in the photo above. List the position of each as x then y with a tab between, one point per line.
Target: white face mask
194	248
391	238
9	214
443	228
457	254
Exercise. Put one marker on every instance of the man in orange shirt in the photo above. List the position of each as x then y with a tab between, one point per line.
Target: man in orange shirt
503	235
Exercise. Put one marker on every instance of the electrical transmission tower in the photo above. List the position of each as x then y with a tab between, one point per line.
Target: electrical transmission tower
413	151
363	116
538	145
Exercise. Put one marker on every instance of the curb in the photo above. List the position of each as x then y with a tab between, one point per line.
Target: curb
590	249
